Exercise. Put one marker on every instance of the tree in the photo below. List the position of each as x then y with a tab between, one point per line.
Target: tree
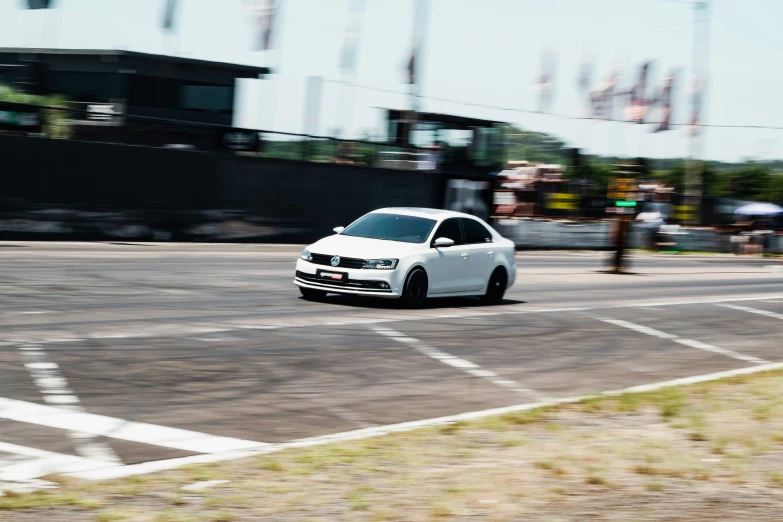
751	183
713	182
776	188
598	175
674	178
56	122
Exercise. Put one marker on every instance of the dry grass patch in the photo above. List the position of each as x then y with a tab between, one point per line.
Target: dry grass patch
694	443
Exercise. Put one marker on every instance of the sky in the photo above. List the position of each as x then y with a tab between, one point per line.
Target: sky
482	52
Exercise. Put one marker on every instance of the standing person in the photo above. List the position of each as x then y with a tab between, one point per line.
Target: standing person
619	236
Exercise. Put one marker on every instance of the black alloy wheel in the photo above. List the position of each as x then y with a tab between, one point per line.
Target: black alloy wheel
415	291
496	288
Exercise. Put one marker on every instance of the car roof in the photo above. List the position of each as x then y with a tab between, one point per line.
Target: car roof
431	213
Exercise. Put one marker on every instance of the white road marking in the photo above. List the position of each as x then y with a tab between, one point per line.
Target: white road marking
61	399
686	342
54	390
639	328
41	366
454	361
152	434
162	465
39	463
728	353
750	310
381	320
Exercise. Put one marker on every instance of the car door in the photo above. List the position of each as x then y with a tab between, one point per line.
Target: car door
481	256
449	264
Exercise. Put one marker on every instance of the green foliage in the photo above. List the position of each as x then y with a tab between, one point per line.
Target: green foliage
55	122
534	146
712	180
749	183
776	188
745	180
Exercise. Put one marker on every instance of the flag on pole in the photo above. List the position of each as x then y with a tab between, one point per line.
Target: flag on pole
545	83
412	67
168	15
696	95
602	98
638	102
420	21
664	101
585	75
39	4
352	35
264	12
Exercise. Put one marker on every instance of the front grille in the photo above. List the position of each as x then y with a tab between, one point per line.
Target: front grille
367	286
345	262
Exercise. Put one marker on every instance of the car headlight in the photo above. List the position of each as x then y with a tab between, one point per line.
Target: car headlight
306	255
381	264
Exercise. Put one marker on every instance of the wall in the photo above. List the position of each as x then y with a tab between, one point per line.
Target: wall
58	189
540	234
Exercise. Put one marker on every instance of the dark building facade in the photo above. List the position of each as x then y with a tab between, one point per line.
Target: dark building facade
140	84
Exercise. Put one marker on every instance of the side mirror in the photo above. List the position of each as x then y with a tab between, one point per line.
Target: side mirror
338	230
443	242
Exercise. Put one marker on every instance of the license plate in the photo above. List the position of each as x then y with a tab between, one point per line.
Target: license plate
334	276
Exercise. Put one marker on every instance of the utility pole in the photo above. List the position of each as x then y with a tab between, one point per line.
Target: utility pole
420	26
694	187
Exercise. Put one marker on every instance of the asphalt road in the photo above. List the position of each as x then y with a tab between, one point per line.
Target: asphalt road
125	353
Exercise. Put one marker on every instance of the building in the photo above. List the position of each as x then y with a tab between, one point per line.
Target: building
459	143
131	97
143	84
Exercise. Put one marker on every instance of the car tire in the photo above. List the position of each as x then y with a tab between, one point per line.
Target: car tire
414	293
496	287
311	294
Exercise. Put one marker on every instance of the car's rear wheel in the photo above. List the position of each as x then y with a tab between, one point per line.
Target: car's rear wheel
496	288
312	295
415	291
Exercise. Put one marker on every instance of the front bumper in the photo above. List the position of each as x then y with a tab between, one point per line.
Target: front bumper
360	281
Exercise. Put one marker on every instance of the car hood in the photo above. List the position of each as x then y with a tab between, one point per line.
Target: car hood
363	248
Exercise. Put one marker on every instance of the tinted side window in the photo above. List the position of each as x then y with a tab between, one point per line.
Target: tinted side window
450	229
475	232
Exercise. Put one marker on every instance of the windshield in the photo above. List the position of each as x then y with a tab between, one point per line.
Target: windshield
392	227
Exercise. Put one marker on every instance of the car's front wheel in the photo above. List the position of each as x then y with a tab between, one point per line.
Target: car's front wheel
312	295
415	291
496	288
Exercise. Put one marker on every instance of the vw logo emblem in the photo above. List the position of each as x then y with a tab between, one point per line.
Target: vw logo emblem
335	261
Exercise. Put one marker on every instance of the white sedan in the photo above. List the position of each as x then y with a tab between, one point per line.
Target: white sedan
410	254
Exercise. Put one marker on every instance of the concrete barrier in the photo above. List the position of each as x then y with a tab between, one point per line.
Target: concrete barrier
539	234
533	234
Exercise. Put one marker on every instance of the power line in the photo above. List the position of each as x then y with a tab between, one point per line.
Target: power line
555	114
